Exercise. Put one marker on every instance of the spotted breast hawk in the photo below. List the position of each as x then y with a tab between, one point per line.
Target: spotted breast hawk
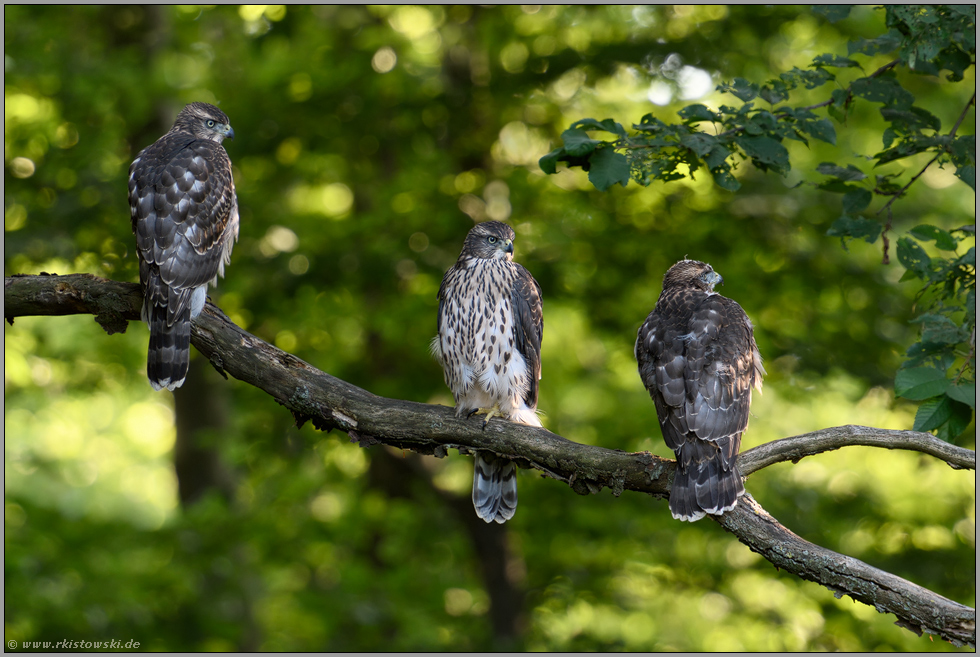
698	359
185	217
489	344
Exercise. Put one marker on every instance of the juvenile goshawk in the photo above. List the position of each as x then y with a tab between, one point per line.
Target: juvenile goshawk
489	344
698	359
185	217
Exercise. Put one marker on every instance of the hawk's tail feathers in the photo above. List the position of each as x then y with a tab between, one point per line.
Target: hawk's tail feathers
169	355
494	488
704	488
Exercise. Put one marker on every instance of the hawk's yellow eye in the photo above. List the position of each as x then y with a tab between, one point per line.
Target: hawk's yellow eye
492	240
210	123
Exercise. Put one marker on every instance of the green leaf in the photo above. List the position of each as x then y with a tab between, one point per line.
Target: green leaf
725	180
698	112
717	157
928	233
549	162
939	330
765	152
965	393
832	13
848	174
914	258
834	60
578	142
741	89
608	168
700	143
821	129
606	124
910	120
920	383
855	228
958	421
932	414
968	174
857	201
887	42
776	93
883	90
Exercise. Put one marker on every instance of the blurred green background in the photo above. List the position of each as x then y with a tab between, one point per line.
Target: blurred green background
368	141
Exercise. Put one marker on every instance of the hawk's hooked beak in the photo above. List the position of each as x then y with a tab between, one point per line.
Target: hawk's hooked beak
229	132
713	278
509	247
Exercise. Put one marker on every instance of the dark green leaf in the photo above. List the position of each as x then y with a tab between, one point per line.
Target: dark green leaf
848	174
910	120
698	112
549	162
821	129
725	180
606	124
932	414
954	60
832	13
741	89
700	143
887	42
765	152
968	174
717	157
920	383
913	257
608	168
833	60
939	330
578	142
884	90
965	393
776	93
855	228
928	233
856	201
959	420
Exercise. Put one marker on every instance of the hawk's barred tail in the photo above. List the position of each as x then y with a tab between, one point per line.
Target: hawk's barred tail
494	488
704	488
169	355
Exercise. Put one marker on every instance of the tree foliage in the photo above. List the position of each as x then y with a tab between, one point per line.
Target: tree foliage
927	40
368	140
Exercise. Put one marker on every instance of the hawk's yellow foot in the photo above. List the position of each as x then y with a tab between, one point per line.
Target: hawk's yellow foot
491	412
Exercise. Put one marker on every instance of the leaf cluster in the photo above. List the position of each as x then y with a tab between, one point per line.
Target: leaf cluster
925	40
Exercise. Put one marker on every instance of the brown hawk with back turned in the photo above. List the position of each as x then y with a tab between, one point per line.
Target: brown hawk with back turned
698	359
489	345
185	217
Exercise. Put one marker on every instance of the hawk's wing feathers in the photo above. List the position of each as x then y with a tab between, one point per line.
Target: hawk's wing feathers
185	218
698	359
528	328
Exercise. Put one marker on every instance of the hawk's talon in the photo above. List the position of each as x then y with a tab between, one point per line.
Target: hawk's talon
489	412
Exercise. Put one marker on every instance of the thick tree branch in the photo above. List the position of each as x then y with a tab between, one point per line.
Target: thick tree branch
330	403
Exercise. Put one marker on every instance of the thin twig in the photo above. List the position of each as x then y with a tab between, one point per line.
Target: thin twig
952	134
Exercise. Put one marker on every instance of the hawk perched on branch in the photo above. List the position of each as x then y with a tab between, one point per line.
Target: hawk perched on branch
489	344
699	361
185	217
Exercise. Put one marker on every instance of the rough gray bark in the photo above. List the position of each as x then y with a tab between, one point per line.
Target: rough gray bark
329	403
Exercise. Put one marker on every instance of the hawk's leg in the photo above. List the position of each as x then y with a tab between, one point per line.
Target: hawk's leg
494	411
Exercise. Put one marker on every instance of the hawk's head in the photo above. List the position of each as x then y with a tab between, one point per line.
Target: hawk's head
691	273
490	240
204	121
